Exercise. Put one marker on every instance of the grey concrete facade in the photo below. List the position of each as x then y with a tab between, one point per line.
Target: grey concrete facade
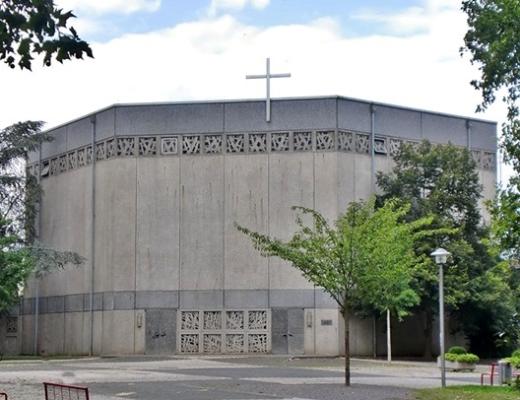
149	195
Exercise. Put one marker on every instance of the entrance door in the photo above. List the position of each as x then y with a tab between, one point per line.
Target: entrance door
160	331
287	331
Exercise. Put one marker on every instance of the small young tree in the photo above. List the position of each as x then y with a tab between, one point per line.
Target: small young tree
367	256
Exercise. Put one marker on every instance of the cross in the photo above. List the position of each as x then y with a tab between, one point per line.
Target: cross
268	77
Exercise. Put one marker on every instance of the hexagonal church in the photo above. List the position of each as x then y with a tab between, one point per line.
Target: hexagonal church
149	195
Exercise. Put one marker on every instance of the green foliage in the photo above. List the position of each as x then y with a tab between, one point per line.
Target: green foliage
493	42
514	361
366	257
516	383
457	350
468	358
442	181
37	27
516	353
20	255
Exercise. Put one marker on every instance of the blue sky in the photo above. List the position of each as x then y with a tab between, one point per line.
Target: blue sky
278	12
401	52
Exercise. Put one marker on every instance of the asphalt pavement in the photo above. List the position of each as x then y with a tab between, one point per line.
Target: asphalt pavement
223	378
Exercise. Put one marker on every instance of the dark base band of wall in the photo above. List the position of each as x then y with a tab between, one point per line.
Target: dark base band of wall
184	299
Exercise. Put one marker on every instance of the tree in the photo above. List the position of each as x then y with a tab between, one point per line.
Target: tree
493	42
366	257
20	254
442	181
38	27
28	28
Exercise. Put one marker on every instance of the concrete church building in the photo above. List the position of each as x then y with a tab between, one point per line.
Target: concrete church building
149	194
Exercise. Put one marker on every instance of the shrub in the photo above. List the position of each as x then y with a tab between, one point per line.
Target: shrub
462	358
516	353
515	361
457	350
517	382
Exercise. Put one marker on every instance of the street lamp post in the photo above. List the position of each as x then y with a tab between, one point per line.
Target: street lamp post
440	255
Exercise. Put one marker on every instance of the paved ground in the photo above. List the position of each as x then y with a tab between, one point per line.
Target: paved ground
222	378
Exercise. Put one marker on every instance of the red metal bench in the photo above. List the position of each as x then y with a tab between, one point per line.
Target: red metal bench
56	391
492	373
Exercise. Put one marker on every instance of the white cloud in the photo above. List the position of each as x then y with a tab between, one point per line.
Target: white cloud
209	58
235	5
110	6
415	19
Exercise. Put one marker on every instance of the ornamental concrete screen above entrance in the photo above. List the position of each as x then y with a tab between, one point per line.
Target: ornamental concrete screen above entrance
149	195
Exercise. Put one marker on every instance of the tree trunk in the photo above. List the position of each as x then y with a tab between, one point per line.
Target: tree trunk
428	335
346	317
388	337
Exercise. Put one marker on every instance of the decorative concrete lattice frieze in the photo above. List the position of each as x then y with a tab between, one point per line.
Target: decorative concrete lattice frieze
62	164
280	141
257	142
126	147
72	160
169	145
325	140
82	157
380	146
111	148
224	331
101	151
362	143
191	144
477	157
488	161
213	144
89	155
345	141
394	147
302	141
54	167
147	146
235	143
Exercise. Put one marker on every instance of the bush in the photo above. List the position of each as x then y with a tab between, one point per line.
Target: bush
457	350
516	353
462	358
515	361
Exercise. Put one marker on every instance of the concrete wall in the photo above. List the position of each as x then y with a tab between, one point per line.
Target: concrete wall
164	234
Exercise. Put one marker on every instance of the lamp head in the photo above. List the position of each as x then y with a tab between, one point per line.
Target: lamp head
440	255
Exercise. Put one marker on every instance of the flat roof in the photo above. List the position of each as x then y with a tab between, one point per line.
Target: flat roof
303	98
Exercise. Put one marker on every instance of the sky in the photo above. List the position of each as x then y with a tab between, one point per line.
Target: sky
404	52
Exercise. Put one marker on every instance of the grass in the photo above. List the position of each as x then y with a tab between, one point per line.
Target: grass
469	393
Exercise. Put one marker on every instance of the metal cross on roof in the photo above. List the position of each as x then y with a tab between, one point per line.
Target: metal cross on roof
268	77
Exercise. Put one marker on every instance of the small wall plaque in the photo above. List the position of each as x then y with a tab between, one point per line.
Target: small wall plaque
326	322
